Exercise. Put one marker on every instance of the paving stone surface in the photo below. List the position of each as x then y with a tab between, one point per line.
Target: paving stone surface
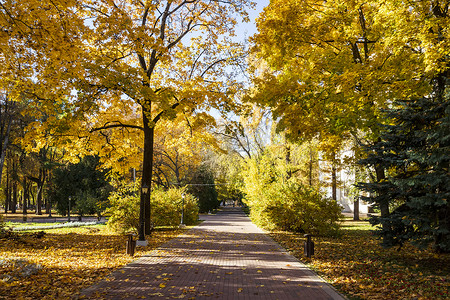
225	257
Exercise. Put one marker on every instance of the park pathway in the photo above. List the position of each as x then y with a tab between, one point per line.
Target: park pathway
225	257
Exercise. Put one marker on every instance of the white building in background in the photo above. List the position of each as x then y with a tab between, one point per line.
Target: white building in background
346	179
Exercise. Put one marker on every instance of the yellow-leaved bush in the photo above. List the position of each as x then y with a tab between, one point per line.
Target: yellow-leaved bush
123	211
280	203
166	208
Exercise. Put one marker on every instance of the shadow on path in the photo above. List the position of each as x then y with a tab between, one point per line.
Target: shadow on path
225	257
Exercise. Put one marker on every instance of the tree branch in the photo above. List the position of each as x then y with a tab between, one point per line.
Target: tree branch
119	125
212	65
158	116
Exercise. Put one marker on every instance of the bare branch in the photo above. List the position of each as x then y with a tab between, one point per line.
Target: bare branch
195	63
212	65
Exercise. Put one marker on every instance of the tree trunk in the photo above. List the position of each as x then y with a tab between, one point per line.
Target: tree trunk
39	200
384	206
14	198
147	170
24	200
40	189
5	143
7	194
48	207
357	197
6	199
356	209
30	196
334	182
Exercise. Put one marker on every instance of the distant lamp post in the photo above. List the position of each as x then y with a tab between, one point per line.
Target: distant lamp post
182	210
68	213
141	240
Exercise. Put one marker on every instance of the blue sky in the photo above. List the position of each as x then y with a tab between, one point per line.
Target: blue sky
246	30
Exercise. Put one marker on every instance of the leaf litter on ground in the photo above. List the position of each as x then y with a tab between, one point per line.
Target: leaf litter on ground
63	261
356	264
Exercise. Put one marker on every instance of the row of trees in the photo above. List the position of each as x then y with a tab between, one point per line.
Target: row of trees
135	83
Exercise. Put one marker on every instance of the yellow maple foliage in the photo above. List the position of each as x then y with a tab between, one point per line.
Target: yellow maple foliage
97	66
327	68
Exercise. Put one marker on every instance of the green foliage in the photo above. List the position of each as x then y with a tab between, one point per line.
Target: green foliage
166	206
415	150
277	202
228	178
294	207
87	203
85	182
203	188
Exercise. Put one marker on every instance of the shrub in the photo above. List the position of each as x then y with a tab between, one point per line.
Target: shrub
165	208
286	204
124	208
294	207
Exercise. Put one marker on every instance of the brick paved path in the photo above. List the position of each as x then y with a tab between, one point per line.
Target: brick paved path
226	257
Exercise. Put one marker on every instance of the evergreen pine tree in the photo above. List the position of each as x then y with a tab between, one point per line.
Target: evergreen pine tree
414	150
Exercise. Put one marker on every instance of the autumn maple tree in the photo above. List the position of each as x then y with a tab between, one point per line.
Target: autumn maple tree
179	151
107	72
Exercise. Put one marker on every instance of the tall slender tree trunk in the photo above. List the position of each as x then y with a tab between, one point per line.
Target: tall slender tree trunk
356	200
334	178
4	147
48	207
356	209
14	197
7	194
39	200
30	196
6	199
333	182
24	200
147	170
40	189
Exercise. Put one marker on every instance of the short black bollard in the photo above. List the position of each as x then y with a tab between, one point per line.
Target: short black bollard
309	246
131	245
